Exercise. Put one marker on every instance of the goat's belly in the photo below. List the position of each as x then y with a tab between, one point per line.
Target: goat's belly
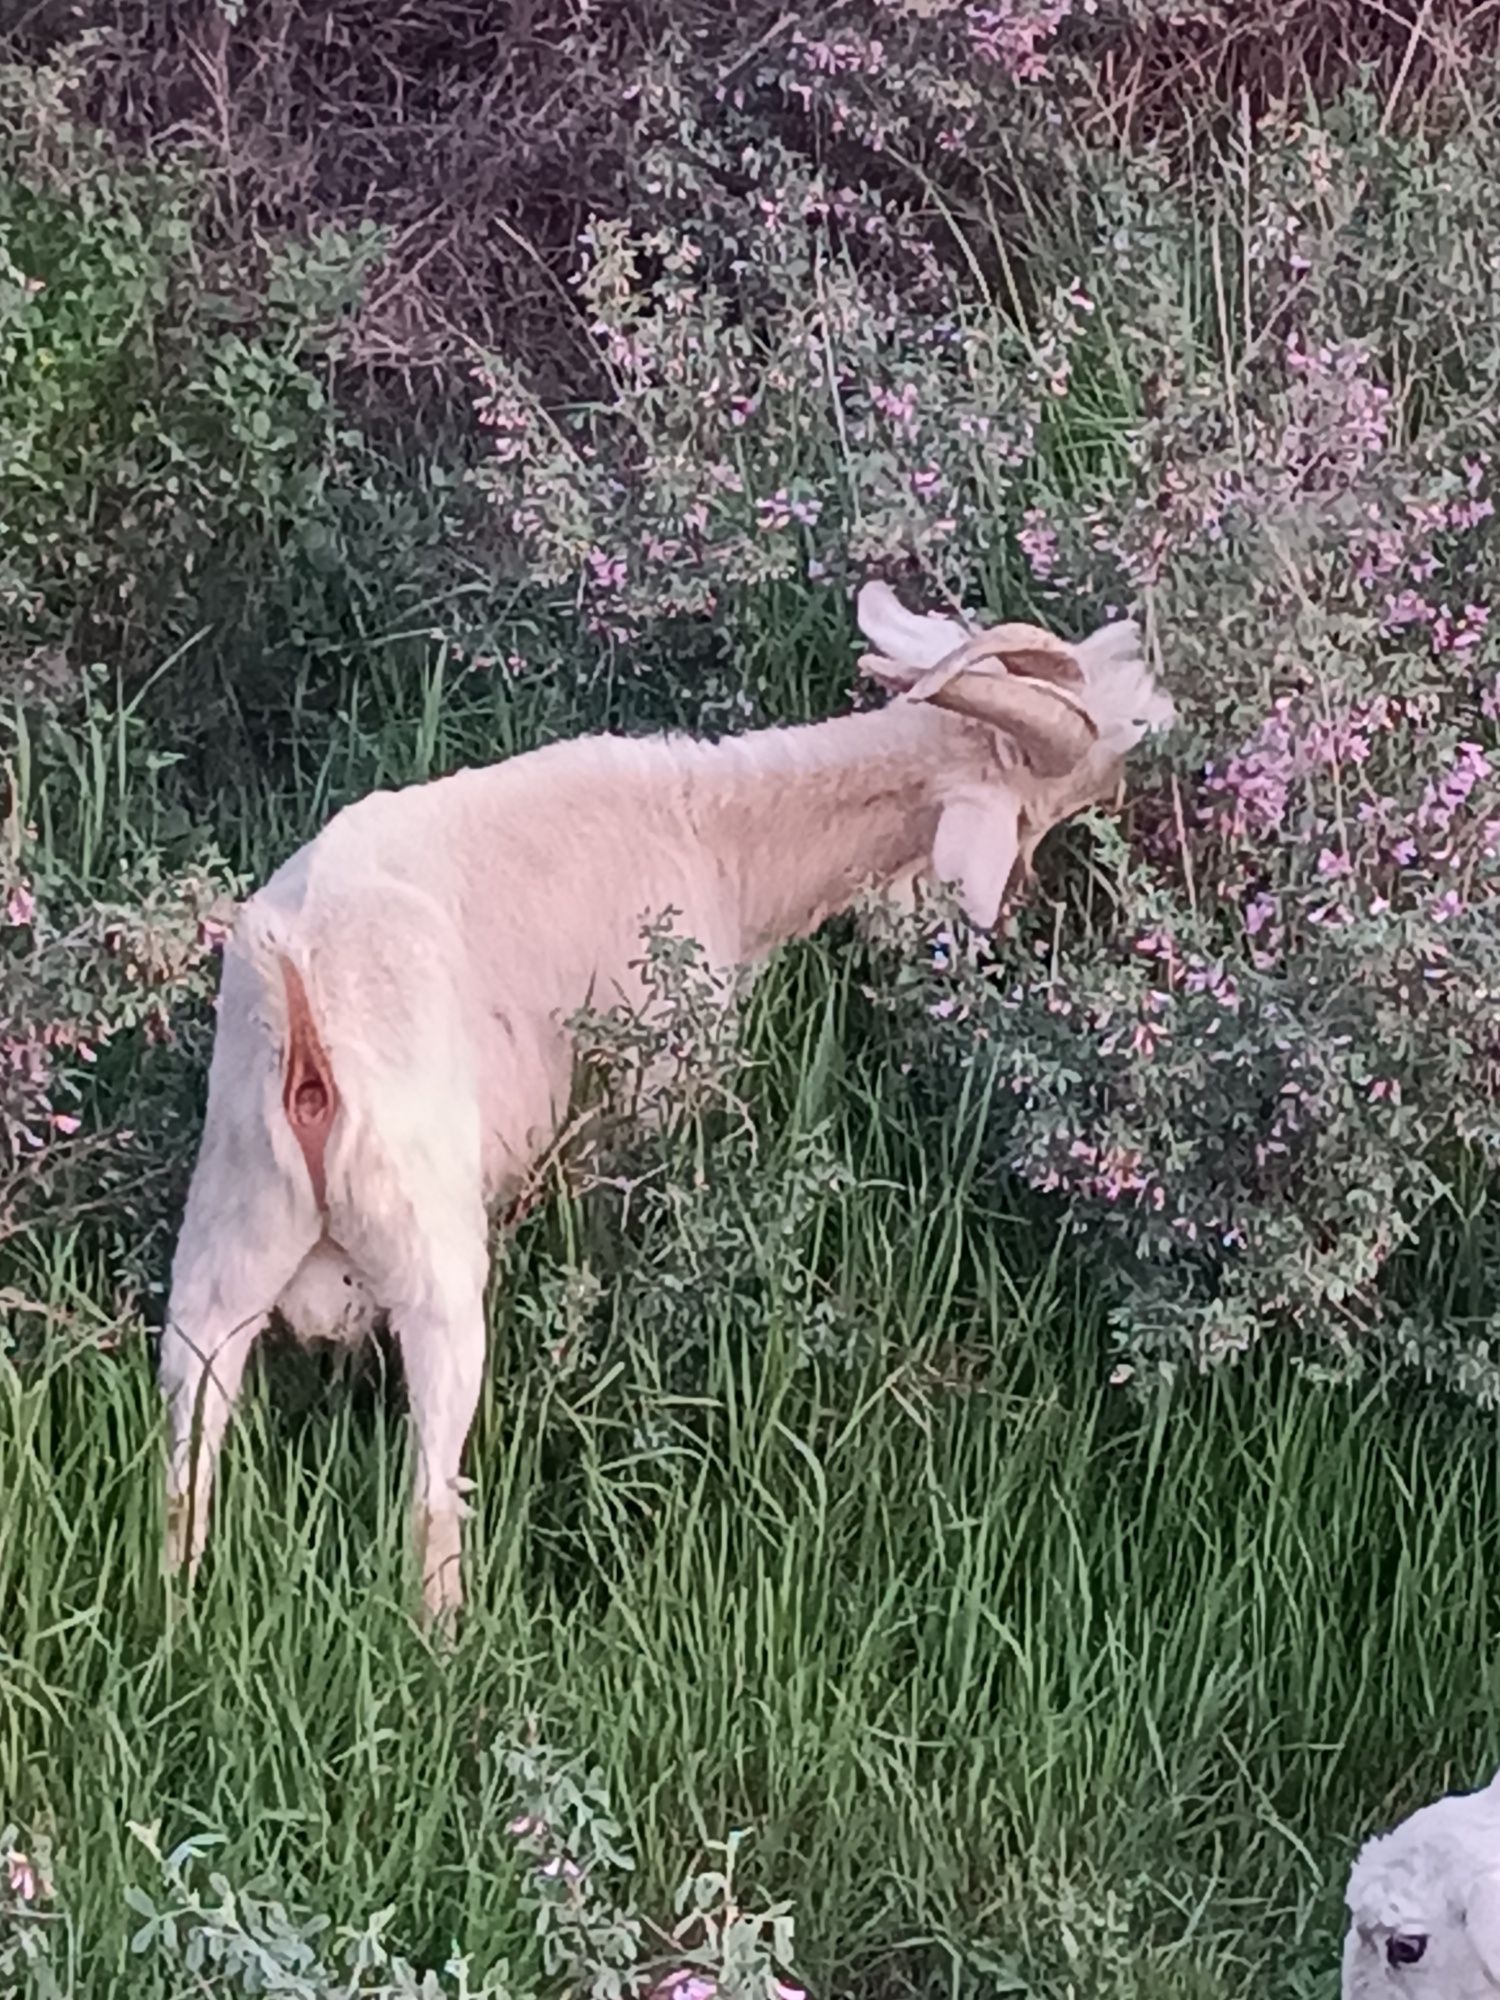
526	1084
327	1299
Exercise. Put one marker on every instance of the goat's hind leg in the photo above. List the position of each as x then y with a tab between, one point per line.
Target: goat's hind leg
412	1216
429	1267
442	1334
251	1218
225	1279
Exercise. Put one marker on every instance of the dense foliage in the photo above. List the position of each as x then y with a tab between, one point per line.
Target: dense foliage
389	386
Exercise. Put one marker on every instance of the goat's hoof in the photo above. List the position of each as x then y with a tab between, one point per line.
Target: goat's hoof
442	1601
442	1598
439	1552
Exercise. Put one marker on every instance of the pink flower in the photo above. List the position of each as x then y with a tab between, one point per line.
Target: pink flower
21	1876
1013	40
1407	608
1445	795
66	1123
685	1984
22	905
1038	543
1469	513
1459	633
898	407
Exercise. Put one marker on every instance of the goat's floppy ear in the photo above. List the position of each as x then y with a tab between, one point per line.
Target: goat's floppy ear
976	844
1482	1921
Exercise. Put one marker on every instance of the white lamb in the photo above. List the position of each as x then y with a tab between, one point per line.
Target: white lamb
1424	1905
392	1052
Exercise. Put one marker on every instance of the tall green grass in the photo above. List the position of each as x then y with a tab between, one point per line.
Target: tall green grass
957	1631
1023	1684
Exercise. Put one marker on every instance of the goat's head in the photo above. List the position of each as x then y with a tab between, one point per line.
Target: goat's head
1065	717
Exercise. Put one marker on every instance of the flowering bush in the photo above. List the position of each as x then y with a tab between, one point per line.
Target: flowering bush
233	1940
1254	1049
173	471
1254	1059
87	988
901	287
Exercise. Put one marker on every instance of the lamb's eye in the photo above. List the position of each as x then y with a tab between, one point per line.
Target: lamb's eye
1405	1948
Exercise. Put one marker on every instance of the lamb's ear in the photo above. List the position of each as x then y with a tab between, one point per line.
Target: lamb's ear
1482	1921
976	844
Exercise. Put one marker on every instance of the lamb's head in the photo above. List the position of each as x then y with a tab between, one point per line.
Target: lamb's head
1065	716
1424	1905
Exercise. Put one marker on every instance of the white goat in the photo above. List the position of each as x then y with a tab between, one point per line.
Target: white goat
392	1052
1424	1905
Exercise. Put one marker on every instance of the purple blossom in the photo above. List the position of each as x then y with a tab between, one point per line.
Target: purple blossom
1446	795
1460	632
897	406
1038	543
1013	36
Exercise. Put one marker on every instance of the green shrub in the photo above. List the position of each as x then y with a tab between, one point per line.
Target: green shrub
1254	1047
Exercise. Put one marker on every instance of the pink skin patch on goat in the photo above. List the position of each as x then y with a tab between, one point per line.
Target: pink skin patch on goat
308	1093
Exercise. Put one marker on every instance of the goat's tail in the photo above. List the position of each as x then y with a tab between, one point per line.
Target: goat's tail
309	1093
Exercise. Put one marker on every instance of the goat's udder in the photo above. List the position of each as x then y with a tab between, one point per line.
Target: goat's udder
308	1094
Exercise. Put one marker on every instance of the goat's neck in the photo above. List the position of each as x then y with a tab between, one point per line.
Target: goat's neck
804	819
